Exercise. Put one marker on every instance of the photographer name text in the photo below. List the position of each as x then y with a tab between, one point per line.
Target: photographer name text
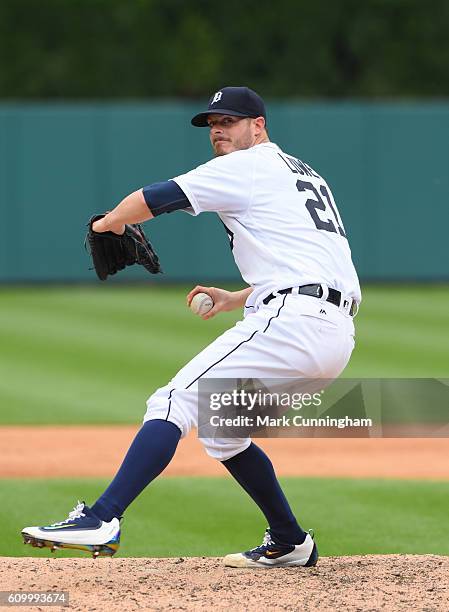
288	421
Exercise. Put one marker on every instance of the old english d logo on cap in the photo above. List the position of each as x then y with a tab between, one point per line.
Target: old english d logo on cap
217	97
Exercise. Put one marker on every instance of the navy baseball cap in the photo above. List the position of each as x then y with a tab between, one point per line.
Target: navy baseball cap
234	101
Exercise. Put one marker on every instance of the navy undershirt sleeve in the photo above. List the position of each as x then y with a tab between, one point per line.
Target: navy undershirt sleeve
165	197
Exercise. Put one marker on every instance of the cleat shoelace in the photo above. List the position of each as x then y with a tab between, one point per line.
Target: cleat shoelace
267	542
76	513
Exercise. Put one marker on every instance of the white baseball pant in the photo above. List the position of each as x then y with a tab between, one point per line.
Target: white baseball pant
293	336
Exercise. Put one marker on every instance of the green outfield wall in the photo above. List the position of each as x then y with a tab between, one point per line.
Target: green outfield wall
388	166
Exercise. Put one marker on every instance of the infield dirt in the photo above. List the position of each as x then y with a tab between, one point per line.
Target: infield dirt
97	451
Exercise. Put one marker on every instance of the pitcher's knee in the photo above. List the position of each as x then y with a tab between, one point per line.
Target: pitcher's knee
225	448
172	405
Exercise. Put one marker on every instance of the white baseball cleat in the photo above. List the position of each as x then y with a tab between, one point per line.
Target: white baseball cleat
275	554
81	530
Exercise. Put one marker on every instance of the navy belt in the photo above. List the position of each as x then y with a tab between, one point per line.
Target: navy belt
334	296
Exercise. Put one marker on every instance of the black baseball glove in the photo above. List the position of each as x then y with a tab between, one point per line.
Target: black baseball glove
111	252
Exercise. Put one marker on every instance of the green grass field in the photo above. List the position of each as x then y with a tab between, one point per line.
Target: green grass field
94	354
213	516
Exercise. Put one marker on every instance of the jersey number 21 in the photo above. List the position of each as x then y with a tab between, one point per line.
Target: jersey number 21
313	205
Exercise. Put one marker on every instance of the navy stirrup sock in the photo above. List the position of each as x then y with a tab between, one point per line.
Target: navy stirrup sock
254	471
149	454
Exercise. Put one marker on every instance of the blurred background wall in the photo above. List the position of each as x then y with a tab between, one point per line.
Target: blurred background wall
96	98
386	163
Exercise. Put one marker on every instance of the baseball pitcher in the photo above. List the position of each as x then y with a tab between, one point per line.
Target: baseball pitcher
291	247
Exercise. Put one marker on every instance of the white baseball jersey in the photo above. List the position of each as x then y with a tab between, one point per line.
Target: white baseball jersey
285	231
284	226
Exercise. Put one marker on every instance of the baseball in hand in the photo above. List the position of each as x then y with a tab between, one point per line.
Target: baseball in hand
201	303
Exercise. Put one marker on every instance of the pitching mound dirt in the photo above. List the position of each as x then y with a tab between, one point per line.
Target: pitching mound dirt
390	582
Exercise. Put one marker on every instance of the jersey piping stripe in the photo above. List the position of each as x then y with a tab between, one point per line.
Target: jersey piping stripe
222	358
169	404
275	316
227	355
239	345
